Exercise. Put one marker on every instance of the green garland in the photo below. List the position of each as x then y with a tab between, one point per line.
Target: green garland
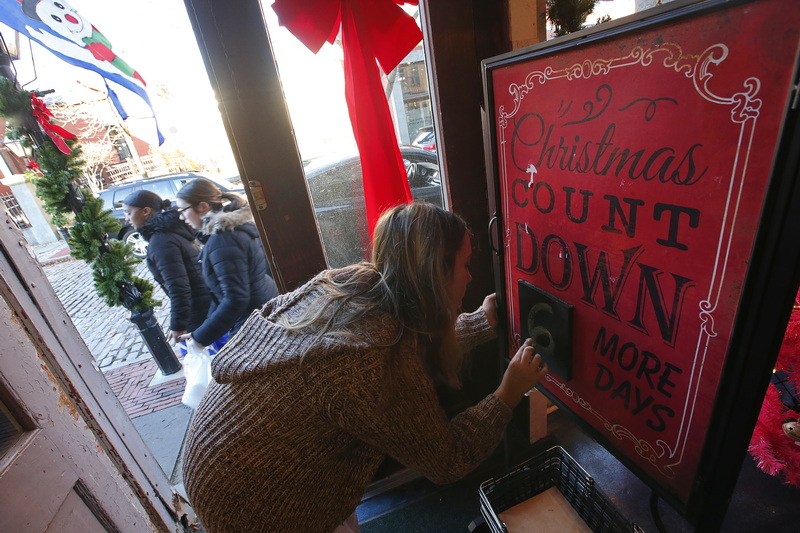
15	106
112	261
568	16
53	187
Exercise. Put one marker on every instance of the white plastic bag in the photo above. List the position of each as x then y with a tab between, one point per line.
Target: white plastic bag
197	371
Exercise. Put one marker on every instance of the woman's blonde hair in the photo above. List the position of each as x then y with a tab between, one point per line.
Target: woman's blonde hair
204	190
413	262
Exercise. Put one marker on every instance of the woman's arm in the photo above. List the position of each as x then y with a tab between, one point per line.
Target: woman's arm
230	267
489	307
168	259
406	421
477	327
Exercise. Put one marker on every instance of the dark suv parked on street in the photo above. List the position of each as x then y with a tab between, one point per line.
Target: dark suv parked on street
165	186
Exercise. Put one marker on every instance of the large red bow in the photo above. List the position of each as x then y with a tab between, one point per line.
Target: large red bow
43	116
371	30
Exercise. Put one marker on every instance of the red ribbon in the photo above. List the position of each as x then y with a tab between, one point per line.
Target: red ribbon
43	116
371	30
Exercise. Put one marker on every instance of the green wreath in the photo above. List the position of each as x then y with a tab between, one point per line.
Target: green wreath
112	261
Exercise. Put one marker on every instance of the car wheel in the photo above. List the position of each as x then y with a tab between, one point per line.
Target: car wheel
139	245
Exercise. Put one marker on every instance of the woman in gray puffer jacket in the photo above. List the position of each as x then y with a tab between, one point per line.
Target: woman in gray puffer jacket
234	264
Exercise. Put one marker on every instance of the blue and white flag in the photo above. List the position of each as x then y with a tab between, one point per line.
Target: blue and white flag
58	27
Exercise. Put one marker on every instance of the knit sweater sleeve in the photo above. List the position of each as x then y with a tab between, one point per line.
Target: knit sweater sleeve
398	413
473	329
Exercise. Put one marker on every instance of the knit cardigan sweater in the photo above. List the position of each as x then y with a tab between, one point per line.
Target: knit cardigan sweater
276	447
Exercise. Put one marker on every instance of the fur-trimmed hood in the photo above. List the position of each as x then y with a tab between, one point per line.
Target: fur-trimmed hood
217	222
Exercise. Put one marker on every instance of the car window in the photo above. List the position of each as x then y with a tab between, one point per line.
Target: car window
180	182
422	174
222	184
107	196
163	188
121	193
337	193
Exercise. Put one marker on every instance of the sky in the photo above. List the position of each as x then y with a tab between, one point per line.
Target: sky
616	9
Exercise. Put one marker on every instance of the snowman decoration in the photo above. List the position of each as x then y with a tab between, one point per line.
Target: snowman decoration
65	21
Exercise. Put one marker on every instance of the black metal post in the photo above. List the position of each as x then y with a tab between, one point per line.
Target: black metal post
151	332
64	231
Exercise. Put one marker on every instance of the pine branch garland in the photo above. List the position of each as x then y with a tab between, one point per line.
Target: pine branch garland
87	235
53	190
15	105
112	261
116	267
568	16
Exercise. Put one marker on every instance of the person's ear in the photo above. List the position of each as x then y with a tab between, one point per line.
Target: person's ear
203	208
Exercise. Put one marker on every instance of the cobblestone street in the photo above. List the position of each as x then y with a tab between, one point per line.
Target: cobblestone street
114	341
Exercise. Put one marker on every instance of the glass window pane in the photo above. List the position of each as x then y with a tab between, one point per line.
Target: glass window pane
120	195
314	90
10	429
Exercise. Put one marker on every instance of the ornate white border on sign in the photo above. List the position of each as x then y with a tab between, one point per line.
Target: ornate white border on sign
745	110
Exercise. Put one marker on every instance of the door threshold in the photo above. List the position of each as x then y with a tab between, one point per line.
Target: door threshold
392	481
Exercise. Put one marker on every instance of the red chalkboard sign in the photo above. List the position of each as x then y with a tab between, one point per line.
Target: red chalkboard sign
631	167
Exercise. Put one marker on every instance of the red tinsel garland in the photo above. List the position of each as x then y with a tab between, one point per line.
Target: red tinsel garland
776	453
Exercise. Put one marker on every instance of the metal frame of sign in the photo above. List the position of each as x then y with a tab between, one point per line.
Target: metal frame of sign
682	255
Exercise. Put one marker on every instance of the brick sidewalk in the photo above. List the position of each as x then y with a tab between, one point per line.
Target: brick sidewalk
115	343
111	337
130	385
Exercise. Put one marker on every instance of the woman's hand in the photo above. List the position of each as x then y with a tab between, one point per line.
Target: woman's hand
524	371
190	340
490	308
174	336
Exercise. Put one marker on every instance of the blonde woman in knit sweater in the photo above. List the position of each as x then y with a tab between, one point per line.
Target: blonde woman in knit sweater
324	382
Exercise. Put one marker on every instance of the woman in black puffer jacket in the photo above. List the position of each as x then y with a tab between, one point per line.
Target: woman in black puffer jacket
172	257
235	266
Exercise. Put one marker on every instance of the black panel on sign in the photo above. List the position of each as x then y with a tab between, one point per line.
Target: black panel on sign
548	321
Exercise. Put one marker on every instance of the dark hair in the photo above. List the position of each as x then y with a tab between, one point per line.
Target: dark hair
143	198
204	190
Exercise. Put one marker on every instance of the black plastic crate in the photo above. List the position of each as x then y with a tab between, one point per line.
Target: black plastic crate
553	468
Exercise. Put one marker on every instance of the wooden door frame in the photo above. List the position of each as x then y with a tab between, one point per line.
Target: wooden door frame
233	41
458	35
32	299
